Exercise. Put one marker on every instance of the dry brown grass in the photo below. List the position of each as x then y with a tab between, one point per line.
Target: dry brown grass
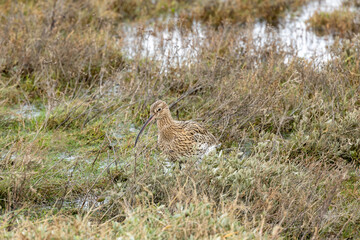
342	22
217	13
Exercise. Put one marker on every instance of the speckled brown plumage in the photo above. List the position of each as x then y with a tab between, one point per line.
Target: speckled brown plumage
177	139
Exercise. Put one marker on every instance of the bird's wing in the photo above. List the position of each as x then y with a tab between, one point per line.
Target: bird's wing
198	132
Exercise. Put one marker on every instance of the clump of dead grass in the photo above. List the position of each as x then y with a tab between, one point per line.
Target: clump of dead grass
212	12
54	51
351	3
342	22
217	13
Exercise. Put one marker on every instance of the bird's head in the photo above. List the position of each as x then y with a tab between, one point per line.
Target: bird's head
158	110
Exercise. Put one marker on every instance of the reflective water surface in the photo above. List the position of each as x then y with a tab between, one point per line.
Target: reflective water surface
172	47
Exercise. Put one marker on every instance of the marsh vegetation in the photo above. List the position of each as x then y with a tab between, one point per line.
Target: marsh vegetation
77	79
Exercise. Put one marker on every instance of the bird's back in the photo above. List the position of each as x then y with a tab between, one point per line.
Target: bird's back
198	132
202	140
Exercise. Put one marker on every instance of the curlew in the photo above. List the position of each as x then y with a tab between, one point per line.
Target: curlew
178	139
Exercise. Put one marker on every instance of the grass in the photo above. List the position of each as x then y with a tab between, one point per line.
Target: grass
352	3
343	22
217	13
213	12
72	102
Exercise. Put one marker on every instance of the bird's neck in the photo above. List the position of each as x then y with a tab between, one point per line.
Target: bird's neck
167	128
165	122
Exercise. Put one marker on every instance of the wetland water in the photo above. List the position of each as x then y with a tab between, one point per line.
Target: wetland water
172	47
293	32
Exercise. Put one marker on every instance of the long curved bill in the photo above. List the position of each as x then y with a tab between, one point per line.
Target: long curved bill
143	127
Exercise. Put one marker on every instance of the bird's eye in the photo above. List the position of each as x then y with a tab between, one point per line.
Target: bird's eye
159	109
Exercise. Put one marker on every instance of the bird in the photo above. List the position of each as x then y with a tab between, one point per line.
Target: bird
179	139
